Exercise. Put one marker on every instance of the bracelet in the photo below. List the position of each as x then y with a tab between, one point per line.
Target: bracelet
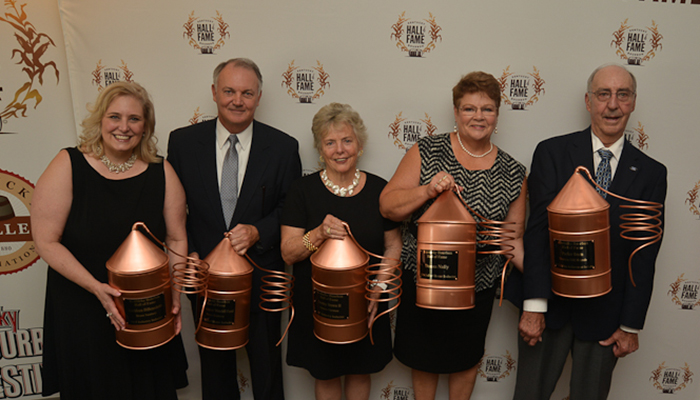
376	283
307	243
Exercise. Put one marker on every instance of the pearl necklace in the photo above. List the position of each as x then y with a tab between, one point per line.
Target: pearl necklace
459	139
341	191
118	168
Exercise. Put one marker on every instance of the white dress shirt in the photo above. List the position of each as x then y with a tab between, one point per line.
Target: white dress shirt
245	139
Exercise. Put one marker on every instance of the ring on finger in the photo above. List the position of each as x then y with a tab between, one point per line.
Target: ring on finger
328	230
109	315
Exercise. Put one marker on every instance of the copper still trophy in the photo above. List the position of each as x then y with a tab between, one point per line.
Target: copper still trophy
139	270
225	310
579	231
343	282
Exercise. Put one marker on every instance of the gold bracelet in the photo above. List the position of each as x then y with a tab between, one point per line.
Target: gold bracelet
307	243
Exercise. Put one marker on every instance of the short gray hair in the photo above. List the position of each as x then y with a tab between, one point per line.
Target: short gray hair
239	62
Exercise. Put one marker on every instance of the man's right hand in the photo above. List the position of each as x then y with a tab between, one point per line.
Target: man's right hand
531	327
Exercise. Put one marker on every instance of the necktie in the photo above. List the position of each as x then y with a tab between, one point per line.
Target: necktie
603	173
229	180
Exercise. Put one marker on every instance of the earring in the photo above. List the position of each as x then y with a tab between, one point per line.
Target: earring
320	158
360	153
495	131
455	128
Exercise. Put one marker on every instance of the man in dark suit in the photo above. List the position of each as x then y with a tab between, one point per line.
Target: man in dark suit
597	331
236	172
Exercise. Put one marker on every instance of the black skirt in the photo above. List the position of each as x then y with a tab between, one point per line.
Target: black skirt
441	341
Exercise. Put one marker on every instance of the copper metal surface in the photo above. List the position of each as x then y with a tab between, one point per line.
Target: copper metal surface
338	272
230	281
578	218
447	228
139	270
643	225
276	294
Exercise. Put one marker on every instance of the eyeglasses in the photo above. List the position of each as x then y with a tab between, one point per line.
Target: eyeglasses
623	96
471	111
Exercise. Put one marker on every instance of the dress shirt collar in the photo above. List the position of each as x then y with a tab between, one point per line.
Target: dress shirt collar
244	138
616	147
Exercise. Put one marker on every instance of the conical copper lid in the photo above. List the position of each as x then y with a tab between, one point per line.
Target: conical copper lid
447	208
6	211
137	255
224	261
339	254
578	197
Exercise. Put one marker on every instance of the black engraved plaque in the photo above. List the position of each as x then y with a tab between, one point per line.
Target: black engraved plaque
220	312
574	255
331	306
439	264
145	311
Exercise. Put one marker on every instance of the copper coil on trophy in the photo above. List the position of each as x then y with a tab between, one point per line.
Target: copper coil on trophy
579	231
140	270
447	251
343	281
224	301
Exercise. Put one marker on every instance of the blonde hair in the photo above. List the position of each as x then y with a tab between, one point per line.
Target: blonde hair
90	140
335	114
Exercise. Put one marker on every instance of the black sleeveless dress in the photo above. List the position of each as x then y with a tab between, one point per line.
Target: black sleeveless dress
81	357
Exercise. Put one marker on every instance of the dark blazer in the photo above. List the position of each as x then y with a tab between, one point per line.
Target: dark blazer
637	177
272	167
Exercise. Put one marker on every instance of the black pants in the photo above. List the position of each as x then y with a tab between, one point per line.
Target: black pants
219	370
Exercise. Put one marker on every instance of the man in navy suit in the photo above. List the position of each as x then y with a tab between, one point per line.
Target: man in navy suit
597	331
266	163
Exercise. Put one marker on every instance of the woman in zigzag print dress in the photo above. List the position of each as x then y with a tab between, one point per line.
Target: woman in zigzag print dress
434	342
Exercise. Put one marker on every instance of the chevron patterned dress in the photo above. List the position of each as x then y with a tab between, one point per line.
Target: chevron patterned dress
448	341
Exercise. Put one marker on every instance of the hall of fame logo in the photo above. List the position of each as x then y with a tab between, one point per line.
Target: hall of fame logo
636	45
520	91
17	250
637	137
200	117
685	293
692	199
496	368
104	76
206	34
18	344
306	84
416	37
393	392
32	47
670	380
405	133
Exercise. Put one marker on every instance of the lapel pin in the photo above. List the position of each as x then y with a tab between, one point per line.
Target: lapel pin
633	168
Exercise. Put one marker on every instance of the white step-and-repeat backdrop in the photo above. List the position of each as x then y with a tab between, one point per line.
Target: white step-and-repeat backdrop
393	61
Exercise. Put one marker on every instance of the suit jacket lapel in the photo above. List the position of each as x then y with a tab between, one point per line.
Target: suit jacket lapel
254	171
206	160
626	171
581	150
